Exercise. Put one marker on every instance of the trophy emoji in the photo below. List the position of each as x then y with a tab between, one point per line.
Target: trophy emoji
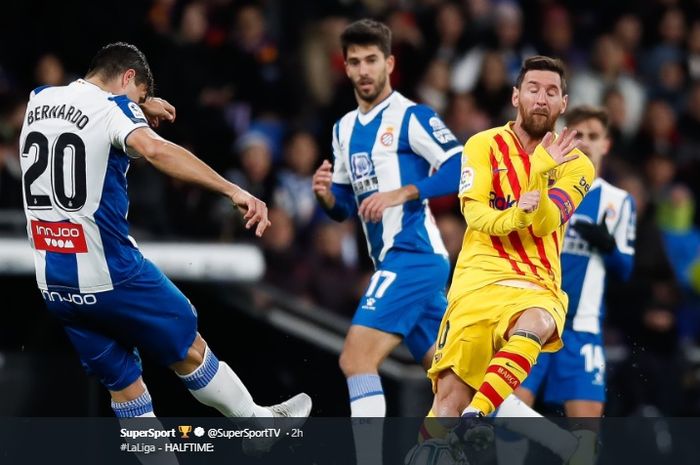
185	429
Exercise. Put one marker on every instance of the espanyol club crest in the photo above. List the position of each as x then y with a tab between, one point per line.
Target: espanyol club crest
361	164
387	138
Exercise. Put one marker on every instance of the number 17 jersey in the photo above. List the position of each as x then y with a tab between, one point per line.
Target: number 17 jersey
74	163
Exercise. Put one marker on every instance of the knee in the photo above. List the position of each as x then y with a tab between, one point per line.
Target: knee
353	363
537	321
348	364
194	357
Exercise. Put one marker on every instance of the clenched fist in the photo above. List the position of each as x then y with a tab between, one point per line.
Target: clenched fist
529	201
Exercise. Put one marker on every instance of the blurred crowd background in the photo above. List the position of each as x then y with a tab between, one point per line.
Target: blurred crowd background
258	86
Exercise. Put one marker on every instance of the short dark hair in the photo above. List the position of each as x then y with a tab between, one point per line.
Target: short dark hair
586	112
542	63
115	58
367	32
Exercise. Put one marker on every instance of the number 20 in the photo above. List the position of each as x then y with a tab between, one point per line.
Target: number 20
77	174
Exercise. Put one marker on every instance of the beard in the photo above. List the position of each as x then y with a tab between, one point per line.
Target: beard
371	95
539	123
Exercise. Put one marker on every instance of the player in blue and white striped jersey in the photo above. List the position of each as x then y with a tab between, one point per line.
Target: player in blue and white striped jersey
76	144
384	152
600	240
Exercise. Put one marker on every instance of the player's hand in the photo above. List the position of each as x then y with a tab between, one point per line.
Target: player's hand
321	184
597	235
529	201
560	148
254	211
157	109
372	208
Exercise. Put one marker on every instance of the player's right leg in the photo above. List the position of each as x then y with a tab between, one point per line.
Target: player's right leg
215	384
525	395
452	395
584	409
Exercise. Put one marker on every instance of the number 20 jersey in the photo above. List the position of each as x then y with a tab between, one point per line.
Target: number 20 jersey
74	164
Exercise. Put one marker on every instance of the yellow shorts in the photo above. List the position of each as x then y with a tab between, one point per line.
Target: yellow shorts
475	325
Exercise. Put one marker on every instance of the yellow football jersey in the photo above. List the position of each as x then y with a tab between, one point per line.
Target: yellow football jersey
503	242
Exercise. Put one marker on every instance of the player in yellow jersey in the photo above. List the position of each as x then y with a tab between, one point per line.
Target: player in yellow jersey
519	186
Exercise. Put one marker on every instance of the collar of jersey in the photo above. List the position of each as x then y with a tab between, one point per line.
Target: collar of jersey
365	118
85	81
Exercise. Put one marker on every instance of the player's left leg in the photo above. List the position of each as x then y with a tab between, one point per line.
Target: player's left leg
521	335
518	423
363	352
579	384
119	370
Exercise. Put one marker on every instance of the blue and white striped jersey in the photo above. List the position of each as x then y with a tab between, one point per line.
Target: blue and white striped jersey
74	164
584	269
396	143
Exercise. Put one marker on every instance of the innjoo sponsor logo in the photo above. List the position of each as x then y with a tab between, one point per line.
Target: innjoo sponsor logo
62	237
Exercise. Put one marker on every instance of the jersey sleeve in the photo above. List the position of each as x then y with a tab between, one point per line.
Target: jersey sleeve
429	137
475	176
474	188
341	175
558	202
123	118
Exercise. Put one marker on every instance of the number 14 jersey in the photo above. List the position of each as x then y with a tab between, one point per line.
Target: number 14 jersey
74	164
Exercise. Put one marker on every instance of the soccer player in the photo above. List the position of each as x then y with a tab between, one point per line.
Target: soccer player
76	145
383	153
519	186
601	238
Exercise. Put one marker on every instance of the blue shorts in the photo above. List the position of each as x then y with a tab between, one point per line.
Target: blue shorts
575	372
146	312
406	296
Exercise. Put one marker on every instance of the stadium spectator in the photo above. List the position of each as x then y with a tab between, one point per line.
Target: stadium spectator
606	71
293	191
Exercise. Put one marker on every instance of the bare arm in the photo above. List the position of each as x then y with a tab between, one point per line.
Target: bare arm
181	164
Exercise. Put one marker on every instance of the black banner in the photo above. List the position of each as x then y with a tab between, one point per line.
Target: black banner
169	441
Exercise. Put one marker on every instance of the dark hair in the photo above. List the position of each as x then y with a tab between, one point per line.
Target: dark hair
113	59
542	63
586	112
367	32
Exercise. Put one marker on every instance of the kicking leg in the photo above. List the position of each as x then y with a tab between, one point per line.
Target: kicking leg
512	363
215	384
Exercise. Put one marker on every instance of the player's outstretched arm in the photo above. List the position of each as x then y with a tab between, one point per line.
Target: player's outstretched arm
182	164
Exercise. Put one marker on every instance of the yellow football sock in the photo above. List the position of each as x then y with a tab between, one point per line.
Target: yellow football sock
509	367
